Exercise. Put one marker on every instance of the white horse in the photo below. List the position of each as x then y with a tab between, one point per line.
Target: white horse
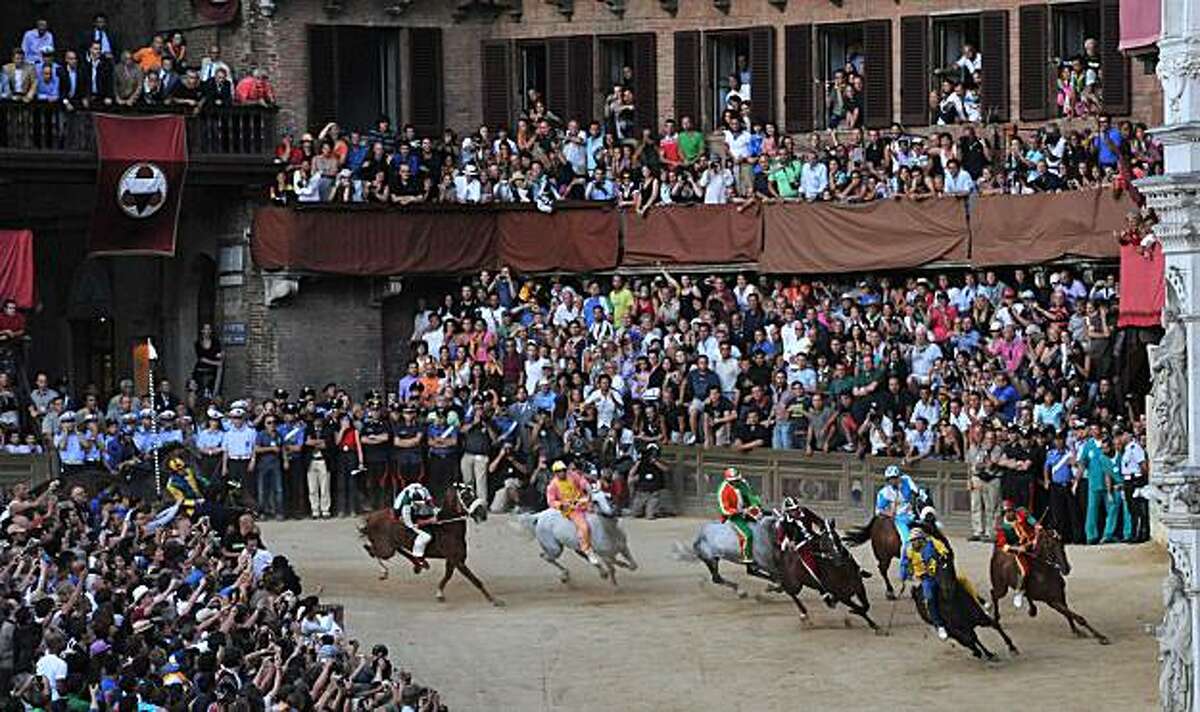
717	541
555	533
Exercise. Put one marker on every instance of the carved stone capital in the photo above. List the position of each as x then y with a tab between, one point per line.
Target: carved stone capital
1178	68
278	286
266	8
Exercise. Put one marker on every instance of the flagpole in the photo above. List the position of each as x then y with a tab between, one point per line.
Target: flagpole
152	356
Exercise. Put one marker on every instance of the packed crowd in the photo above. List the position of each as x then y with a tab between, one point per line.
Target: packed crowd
545	158
97	73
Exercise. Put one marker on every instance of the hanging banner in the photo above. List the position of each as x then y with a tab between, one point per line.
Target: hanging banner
143	163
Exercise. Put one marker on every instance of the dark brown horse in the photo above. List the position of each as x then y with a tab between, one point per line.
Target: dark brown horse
1046	582
386	535
962	612
842	576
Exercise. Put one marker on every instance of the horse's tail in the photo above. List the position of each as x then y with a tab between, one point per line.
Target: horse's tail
855	536
526	524
683	552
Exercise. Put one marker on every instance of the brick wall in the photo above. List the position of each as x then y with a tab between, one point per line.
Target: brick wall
280	42
328	331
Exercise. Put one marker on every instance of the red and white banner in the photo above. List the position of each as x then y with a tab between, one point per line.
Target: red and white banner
143	163
16	267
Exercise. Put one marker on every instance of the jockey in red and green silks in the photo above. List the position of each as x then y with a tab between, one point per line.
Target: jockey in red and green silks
740	507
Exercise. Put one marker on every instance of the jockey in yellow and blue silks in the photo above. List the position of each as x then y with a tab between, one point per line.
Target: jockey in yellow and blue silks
898	499
919	561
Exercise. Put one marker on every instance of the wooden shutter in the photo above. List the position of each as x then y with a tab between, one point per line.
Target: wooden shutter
645	79
877	83
798	108
558	75
580	92
993	30
914	70
762	74
1114	65
687	76
1035	59
322	73
425	80
496	74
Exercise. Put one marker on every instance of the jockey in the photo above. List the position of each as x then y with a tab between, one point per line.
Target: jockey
740	507
1016	533
920	562
798	527
568	492
185	486
414	505
897	499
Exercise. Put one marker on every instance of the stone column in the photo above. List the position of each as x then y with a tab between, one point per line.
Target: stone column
1175	363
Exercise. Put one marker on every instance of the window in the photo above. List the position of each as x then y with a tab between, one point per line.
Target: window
951	35
616	62
355	75
1073	24
728	72
840	45
533	70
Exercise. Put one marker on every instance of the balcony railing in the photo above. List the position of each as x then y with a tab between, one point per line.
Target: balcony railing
216	132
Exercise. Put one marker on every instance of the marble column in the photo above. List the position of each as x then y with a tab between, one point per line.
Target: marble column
1175	399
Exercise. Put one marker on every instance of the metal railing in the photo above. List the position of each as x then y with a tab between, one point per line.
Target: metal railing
219	131
831	484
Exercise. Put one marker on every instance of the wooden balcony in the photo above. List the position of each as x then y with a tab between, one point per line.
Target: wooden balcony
44	142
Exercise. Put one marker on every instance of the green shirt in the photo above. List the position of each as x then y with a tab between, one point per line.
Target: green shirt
838	386
786	179
622	301
691	145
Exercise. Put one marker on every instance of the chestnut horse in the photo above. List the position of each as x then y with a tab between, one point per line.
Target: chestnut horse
386	535
1046	582
837	567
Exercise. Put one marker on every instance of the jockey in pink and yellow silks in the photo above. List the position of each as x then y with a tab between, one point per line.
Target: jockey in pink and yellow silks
567	492
740	508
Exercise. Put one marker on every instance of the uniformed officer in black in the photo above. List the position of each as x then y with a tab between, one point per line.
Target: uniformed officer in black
376	444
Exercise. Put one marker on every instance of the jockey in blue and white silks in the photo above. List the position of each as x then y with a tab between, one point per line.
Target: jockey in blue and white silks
898	499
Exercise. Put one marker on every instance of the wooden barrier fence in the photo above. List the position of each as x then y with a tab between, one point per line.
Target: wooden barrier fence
29	469
831	484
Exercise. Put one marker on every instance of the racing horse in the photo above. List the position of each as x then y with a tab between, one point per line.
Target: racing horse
717	541
841	573
881	531
962	613
555	534
1046	581
385	535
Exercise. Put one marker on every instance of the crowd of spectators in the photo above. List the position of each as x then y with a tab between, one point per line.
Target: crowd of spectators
97	73
107	605
615	159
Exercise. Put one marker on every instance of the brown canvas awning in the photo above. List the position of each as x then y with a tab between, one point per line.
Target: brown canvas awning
698	234
385	242
1027	229
889	234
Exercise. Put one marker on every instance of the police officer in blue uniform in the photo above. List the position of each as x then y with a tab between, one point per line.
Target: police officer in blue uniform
70	445
238	456
210	444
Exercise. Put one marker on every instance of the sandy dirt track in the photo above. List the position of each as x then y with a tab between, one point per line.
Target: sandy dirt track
663	641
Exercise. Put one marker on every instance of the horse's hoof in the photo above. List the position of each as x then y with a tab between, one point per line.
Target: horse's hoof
441	597
1014	650
846	623
564	578
742	594
890	596
603	574
498	603
1102	640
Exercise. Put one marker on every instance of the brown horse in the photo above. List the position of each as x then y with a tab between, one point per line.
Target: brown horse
386	535
1046	582
885	541
841	573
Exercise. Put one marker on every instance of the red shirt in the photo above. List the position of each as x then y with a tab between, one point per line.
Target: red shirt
251	90
13	322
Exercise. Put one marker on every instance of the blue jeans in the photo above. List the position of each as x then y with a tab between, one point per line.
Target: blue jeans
781	438
929	589
270	487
